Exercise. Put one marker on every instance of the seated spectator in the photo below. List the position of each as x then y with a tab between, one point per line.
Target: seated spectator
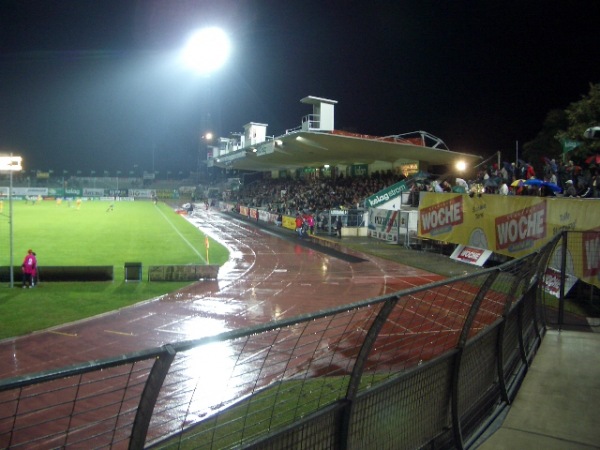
570	191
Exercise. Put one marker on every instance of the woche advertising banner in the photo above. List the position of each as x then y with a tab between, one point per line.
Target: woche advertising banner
471	255
514	225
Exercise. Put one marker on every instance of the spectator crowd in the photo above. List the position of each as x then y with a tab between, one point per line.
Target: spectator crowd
287	195
290	195
557	178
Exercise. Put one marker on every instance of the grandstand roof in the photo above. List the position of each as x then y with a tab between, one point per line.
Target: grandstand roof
299	149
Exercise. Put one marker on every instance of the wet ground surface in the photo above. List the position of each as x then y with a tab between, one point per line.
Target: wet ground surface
272	274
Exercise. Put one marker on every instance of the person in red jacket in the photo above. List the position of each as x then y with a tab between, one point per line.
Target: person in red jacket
299	224
530	172
29	267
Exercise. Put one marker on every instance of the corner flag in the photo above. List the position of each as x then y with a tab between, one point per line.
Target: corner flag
206	244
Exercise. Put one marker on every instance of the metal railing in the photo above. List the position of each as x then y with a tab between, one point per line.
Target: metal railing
572	281
428	366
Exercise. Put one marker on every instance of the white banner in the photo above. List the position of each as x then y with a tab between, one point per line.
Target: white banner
91	192
24	191
551	282
471	255
389	225
142	193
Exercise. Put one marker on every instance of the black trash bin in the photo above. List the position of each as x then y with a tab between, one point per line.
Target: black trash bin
133	271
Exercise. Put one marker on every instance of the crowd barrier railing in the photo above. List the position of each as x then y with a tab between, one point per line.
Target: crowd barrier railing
424	367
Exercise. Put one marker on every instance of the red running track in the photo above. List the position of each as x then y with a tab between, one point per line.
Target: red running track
267	278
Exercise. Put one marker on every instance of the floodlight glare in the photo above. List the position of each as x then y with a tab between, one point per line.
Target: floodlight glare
11	163
461	166
206	50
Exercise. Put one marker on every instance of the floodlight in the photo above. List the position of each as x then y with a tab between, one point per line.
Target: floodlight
206	50
461	166
11	163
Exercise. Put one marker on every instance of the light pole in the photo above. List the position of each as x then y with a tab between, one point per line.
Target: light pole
205	139
11	164
153	155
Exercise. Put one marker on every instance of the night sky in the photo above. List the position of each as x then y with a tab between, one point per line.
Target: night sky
95	84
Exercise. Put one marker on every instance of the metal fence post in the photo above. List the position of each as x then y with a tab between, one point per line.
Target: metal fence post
563	271
149	396
500	341
462	341
359	365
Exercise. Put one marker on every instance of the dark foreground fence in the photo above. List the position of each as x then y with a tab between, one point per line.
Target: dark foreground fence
425	367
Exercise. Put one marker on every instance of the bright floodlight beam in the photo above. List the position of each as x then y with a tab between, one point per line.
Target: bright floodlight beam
207	50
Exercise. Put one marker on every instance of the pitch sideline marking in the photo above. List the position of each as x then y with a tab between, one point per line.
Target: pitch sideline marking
182	236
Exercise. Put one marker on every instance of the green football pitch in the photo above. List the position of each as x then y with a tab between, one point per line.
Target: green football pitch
92	234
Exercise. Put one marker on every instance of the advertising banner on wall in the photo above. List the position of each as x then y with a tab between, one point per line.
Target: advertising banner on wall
387	194
141	193
383	224
591	253
93	192
582	256
359	170
510	225
64	193
71	192
24	191
390	225
551	282
471	255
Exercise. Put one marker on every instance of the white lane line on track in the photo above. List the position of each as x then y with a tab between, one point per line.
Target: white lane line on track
63	333
120	333
183	237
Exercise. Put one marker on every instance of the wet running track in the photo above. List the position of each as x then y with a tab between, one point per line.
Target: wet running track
271	275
